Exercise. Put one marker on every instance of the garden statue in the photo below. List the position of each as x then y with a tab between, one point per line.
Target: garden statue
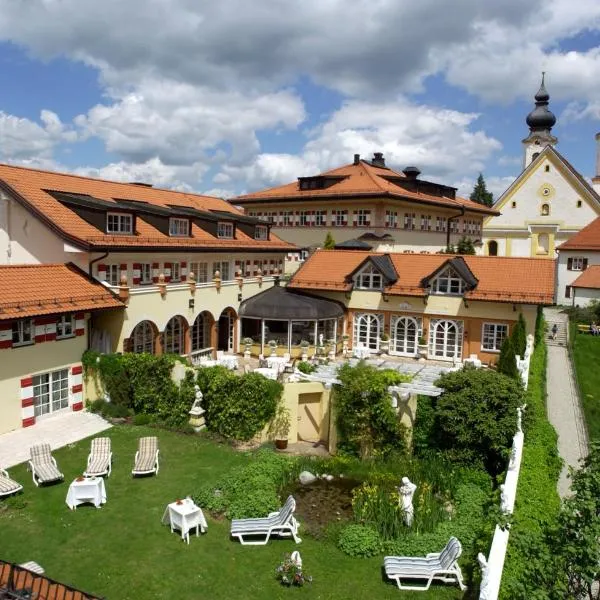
405	499
321	340
197	412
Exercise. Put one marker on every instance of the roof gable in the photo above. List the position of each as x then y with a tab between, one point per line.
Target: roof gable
382	264
459	266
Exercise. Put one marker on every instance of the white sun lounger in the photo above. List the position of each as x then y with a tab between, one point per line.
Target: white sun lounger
99	461
7	485
281	523
146	458
442	566
43	465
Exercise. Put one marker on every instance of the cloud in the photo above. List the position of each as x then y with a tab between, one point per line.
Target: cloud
439	141
26	139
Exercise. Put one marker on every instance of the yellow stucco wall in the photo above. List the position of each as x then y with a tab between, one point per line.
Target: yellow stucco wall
17	363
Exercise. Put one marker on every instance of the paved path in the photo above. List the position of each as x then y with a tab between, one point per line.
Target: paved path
564	408
58	431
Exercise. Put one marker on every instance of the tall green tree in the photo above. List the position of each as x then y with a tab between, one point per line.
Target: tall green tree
329	243
507	363
465	246
480	193
519	336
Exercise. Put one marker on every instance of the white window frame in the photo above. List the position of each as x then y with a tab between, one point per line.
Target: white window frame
497	332
577	263
179	227
320	218
200	271
261	232
287	218
338	218
225	230
24	338
369	278
145	273
65	327
113	274
175	272
143	338
174	341
362	217
448	283
304	218
225	272
409	221
119	223
200	335
391	218
50	390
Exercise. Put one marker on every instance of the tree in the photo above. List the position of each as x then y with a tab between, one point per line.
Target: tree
329	243
475	417
465	246
519	336
480	193
507	362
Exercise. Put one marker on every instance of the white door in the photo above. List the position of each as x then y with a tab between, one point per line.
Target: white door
405	336
445	339
367	330
51	392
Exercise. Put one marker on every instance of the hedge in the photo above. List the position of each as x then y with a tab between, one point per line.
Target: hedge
537	504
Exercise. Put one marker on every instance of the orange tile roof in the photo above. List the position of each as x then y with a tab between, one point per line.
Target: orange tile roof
357	181
501	279
586	239
33	290
29	186
590	278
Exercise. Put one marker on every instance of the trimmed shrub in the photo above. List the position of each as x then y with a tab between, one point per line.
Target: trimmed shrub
507	363
519	336
359	540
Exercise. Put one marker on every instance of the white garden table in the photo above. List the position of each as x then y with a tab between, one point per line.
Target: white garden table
185	516
268	373
88	490
277	362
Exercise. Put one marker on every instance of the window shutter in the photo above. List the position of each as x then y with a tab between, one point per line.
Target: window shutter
155	268
123	269
183	271
137	273
5	335
569	264
238	268
567	291
585	264
167	271
354	218
39	328
102	271
368	219
79	323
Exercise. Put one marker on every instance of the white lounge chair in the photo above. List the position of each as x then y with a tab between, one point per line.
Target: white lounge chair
99	461
43	465
146	458
7	485
281	523
438	565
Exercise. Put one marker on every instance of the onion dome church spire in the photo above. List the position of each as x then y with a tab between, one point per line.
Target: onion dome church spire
540	122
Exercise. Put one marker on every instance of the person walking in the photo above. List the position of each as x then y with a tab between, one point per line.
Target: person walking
554	331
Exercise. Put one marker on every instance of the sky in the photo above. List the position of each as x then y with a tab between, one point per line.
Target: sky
230	97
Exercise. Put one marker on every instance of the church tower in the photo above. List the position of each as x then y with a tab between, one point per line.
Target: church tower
540	121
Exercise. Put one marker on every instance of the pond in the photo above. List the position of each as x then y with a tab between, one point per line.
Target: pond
323	502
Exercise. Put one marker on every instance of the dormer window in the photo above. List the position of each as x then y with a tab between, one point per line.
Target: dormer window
448	282
369	279
119	223
225	230
261	232
179	227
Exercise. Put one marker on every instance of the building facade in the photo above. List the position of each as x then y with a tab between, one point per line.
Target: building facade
548	203
394	211
442	307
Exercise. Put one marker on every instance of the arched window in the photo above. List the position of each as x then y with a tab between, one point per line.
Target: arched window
173	337
142	338
545	210
543	242
201	332
368	328
493	248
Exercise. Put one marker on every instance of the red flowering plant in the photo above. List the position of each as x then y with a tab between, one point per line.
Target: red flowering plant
290	572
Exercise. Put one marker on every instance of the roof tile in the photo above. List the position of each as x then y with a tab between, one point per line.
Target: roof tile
586	239
590	278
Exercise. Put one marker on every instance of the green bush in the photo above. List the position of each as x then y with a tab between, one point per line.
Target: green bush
237	407
142	419
367	424
359	540
519	336
258	501
424	435
476	417
97	406
306	367
507	363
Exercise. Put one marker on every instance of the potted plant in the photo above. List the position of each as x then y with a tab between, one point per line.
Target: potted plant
247	347
289	572
273	346
304	344
280	426
345	339
332	348
385	343
422	347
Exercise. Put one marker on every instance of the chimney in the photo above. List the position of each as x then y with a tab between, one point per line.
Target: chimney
411	172
596	178
378	160
356	159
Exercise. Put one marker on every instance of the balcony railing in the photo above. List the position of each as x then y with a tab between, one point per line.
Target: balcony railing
197	355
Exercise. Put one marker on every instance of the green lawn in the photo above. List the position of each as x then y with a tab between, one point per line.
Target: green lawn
586	352
123	552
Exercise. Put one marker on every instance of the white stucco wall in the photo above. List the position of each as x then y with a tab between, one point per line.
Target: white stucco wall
583	296
565	277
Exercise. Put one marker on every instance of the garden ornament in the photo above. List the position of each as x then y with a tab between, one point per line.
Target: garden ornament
405	497
296	559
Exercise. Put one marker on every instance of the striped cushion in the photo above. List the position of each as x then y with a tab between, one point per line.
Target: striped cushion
44	467
146	460
7	485
100	456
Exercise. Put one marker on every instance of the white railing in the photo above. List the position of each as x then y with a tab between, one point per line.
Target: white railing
197	355
491	568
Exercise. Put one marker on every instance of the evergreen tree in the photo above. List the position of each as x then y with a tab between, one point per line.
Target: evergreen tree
480	193
519	336
507	363
465	246
329	243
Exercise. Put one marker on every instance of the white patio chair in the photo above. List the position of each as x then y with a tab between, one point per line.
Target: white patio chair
281	523
442	566
7	485
146	458
43	465
99	461
287	364
220	354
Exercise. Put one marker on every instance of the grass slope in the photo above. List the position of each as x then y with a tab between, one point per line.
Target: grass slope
586	354
123	552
